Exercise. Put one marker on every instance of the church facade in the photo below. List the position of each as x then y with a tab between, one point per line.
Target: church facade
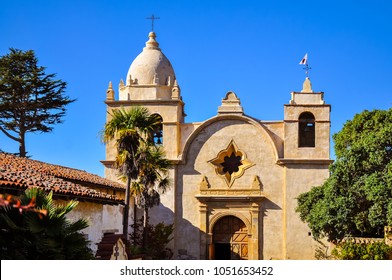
235	178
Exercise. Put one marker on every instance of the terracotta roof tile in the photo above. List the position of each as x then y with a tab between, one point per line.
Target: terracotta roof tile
17	172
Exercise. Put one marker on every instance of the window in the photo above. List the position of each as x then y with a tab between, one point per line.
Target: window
306	130
158	132
231	163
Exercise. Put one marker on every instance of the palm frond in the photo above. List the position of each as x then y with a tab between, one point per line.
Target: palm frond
136	188
77	225
30	235
164	185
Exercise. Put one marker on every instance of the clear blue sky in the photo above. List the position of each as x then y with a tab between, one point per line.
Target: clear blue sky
250	47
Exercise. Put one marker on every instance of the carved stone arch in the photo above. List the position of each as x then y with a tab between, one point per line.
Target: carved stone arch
260	127
215	218
315	113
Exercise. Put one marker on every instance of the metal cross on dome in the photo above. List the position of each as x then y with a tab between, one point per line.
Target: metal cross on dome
152	18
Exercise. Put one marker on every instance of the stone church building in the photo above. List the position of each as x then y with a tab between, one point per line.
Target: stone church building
235	178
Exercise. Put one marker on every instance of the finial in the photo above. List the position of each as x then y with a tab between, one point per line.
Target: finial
176	91
129	80
110	92
152	18
231	104
121	83
152	43
304	61
307	86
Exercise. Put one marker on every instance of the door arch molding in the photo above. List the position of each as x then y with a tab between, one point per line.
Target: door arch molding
215	218
230	240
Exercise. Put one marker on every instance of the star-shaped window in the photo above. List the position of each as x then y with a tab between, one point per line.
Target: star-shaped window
231	163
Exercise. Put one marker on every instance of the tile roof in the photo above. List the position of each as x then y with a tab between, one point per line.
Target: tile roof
22	173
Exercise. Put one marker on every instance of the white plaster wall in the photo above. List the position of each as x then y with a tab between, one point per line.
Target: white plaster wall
112	218
101	219
92	212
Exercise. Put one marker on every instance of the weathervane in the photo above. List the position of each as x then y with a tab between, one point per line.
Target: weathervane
304	61
152	18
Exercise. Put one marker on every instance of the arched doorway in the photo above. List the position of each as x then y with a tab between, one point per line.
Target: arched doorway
230	239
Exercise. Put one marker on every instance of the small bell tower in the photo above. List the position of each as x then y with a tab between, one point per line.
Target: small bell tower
307	125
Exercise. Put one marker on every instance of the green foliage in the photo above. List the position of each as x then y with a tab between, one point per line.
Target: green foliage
356	200
349	250
30	100
131	129
159	236
152	177
42	234
138	159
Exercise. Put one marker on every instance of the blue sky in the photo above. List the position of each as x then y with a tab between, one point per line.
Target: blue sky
250	47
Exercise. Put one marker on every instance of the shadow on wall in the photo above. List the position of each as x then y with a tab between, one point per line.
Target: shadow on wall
163	214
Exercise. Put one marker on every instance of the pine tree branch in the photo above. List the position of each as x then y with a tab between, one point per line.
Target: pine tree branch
9	135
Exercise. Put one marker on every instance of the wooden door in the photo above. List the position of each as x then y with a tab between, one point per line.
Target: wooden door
231	231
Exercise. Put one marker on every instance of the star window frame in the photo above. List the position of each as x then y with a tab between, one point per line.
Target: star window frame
231	163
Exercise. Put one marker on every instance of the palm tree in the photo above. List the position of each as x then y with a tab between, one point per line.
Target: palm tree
42	232
131	129
152	181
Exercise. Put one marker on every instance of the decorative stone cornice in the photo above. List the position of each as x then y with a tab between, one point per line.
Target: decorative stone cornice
285	161
253	193
120	103
230	197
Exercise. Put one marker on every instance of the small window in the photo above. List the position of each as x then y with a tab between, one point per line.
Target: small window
158	132
306	130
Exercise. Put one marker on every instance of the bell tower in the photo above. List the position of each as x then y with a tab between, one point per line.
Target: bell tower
151	83
305	162
307	125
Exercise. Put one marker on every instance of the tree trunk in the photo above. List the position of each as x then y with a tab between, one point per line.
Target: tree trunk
145	224
134	221
22	148
126	208
22	138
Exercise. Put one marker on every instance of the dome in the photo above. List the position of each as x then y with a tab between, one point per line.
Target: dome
151	66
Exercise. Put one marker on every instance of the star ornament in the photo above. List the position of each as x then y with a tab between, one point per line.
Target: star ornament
231	163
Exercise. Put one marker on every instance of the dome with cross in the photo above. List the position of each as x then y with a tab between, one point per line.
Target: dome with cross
151	66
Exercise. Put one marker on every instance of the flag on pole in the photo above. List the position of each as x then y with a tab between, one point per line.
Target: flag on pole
304	60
